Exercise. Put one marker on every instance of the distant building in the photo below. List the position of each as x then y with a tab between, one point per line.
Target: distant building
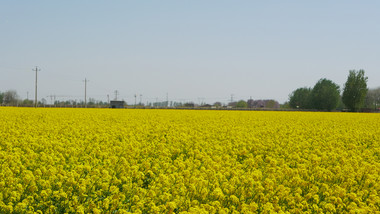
117	104
232	104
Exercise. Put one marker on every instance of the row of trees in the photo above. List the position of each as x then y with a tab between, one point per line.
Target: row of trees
325	95
256	104
9	97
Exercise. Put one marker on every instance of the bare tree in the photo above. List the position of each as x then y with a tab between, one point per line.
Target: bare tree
372	99
10	97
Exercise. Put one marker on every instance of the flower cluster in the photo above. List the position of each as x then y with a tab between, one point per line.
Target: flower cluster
178	161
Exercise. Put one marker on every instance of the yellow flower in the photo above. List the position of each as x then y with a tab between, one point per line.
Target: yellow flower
162	161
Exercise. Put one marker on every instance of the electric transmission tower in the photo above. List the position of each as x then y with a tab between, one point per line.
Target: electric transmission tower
116	93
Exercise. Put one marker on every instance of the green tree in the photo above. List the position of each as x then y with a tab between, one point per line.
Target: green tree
300	98
325	95
27	102
1	97
355	90
272	104
241	104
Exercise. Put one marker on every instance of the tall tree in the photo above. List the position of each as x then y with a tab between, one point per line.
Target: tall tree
325	95
300	98
355	90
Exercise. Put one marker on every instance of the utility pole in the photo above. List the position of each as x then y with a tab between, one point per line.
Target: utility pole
167	99
27	95
35	93
85	92
135	100
232	98
108	98
140	99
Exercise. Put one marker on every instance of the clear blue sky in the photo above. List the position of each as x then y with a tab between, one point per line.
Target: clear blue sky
192	50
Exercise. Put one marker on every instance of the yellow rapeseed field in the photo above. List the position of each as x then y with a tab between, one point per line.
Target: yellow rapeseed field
183	161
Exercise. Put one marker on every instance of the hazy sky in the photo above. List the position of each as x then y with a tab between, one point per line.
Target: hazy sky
192	50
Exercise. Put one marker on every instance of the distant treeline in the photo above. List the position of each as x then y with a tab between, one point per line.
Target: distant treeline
326	95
